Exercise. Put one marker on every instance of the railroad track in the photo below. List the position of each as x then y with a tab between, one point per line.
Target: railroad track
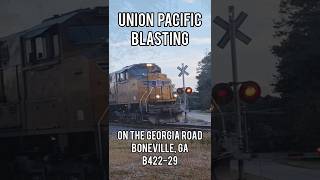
146	125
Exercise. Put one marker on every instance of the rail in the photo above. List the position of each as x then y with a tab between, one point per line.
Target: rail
147	125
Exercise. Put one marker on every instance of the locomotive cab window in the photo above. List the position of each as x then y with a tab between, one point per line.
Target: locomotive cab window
28	51
123	76
55	45
35	50
117	77
143	70
4	53
154	69
41	48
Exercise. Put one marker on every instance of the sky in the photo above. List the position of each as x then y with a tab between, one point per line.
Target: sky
255	60
168	58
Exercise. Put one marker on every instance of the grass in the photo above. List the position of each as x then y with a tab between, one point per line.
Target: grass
196	164
193	165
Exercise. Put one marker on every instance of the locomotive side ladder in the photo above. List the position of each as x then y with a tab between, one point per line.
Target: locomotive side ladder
140	101
145	100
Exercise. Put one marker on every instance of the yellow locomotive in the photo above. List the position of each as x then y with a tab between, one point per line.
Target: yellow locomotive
142	92
53	99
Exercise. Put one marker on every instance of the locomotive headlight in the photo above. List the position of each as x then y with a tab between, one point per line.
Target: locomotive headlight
158	96
175	95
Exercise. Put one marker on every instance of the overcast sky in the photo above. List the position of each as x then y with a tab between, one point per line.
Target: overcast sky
255	60
168	58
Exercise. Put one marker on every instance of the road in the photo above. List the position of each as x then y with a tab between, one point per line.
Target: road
199	115
273	170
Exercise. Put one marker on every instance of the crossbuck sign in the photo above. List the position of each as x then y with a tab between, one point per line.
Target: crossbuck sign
227	27
183	70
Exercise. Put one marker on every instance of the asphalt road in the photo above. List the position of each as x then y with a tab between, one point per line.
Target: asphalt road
199	115
273	170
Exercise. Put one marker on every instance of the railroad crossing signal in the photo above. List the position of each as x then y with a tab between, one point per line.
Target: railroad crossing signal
183	70
180	91
233	33
222	93
188	90
249	91
227	27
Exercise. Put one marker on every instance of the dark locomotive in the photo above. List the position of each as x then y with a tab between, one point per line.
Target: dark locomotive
141	92
53	97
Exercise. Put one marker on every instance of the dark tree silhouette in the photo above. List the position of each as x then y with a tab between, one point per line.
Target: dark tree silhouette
298	77
204	77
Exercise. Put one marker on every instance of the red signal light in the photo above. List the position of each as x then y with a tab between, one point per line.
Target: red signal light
249	91
222	93
188	90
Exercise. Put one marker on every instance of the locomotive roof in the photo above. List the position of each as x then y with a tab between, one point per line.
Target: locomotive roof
134	65
49	22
